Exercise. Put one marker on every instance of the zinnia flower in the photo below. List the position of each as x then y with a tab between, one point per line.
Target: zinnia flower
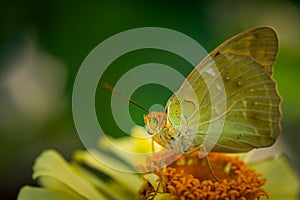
85	177
191	178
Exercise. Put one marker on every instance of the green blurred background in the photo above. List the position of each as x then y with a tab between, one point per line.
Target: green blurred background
42	45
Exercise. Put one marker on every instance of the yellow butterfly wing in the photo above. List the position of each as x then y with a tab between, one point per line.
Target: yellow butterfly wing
252	105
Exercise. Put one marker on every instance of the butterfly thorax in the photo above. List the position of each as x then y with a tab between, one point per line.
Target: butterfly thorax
156	124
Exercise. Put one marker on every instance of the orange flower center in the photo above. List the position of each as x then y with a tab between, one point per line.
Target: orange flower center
191	178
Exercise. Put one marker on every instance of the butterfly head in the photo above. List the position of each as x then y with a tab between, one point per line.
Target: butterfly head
155	122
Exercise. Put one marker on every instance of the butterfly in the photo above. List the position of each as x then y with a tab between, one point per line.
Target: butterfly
251	114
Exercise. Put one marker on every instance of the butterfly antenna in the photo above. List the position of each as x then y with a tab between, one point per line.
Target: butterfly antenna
115	91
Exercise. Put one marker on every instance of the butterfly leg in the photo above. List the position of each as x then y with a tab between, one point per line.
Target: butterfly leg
152	146
211	169
209	165
160	176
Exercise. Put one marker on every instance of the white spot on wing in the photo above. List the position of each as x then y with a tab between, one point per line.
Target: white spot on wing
210	71
245	106
245	103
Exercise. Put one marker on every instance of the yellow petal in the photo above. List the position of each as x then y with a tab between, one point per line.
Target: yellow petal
109	187
56	185
163	196
153	180
29	193
129	181
51	164
282	180
138	142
